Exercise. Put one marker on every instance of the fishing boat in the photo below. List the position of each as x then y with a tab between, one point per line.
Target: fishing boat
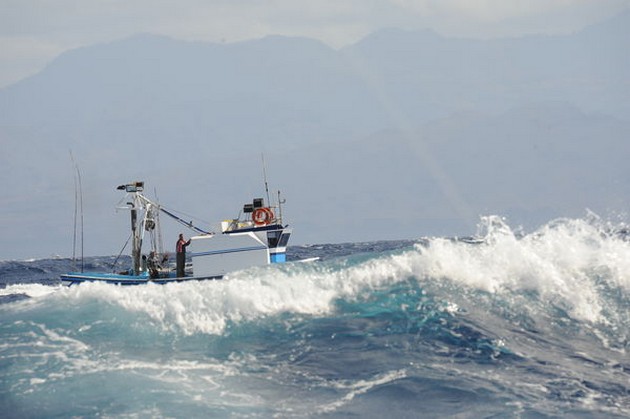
256	237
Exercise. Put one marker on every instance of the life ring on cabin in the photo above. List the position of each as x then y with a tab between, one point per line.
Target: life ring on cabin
262	216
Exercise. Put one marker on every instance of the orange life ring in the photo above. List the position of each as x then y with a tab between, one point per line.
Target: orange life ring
262	216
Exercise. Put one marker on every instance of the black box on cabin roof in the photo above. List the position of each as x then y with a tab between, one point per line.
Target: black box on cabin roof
258	202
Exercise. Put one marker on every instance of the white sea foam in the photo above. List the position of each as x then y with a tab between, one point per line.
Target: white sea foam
209	306
32	290
353	389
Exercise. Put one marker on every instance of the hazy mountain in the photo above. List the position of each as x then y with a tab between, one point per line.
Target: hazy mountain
400	135
530	164
421	71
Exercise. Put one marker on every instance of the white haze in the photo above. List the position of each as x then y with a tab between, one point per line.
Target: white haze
405	133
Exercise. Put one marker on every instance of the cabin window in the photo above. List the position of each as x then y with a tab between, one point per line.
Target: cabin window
284	239
273	237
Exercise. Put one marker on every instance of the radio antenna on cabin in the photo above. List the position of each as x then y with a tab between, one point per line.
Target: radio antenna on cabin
265	178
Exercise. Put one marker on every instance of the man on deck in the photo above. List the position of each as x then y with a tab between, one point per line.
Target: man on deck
181	255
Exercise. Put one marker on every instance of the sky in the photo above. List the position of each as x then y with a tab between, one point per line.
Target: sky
34	32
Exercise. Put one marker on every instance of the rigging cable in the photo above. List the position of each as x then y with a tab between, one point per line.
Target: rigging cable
121	251
160	242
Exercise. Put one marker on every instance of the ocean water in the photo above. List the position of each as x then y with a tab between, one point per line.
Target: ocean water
505	324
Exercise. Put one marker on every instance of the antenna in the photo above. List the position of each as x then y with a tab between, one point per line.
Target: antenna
280	202
265	178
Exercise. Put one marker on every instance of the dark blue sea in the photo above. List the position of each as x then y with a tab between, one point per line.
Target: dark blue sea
504	324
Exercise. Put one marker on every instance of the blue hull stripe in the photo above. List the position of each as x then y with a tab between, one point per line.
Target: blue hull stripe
71	279
219	252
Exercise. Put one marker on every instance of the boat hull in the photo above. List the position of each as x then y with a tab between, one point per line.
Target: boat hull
118	279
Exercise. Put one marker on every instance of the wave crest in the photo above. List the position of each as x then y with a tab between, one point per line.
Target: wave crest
579	263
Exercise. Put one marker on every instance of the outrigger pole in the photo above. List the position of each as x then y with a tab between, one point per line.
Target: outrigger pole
188	224
78	202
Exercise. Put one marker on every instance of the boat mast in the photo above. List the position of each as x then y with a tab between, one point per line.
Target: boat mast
136	204
136	242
